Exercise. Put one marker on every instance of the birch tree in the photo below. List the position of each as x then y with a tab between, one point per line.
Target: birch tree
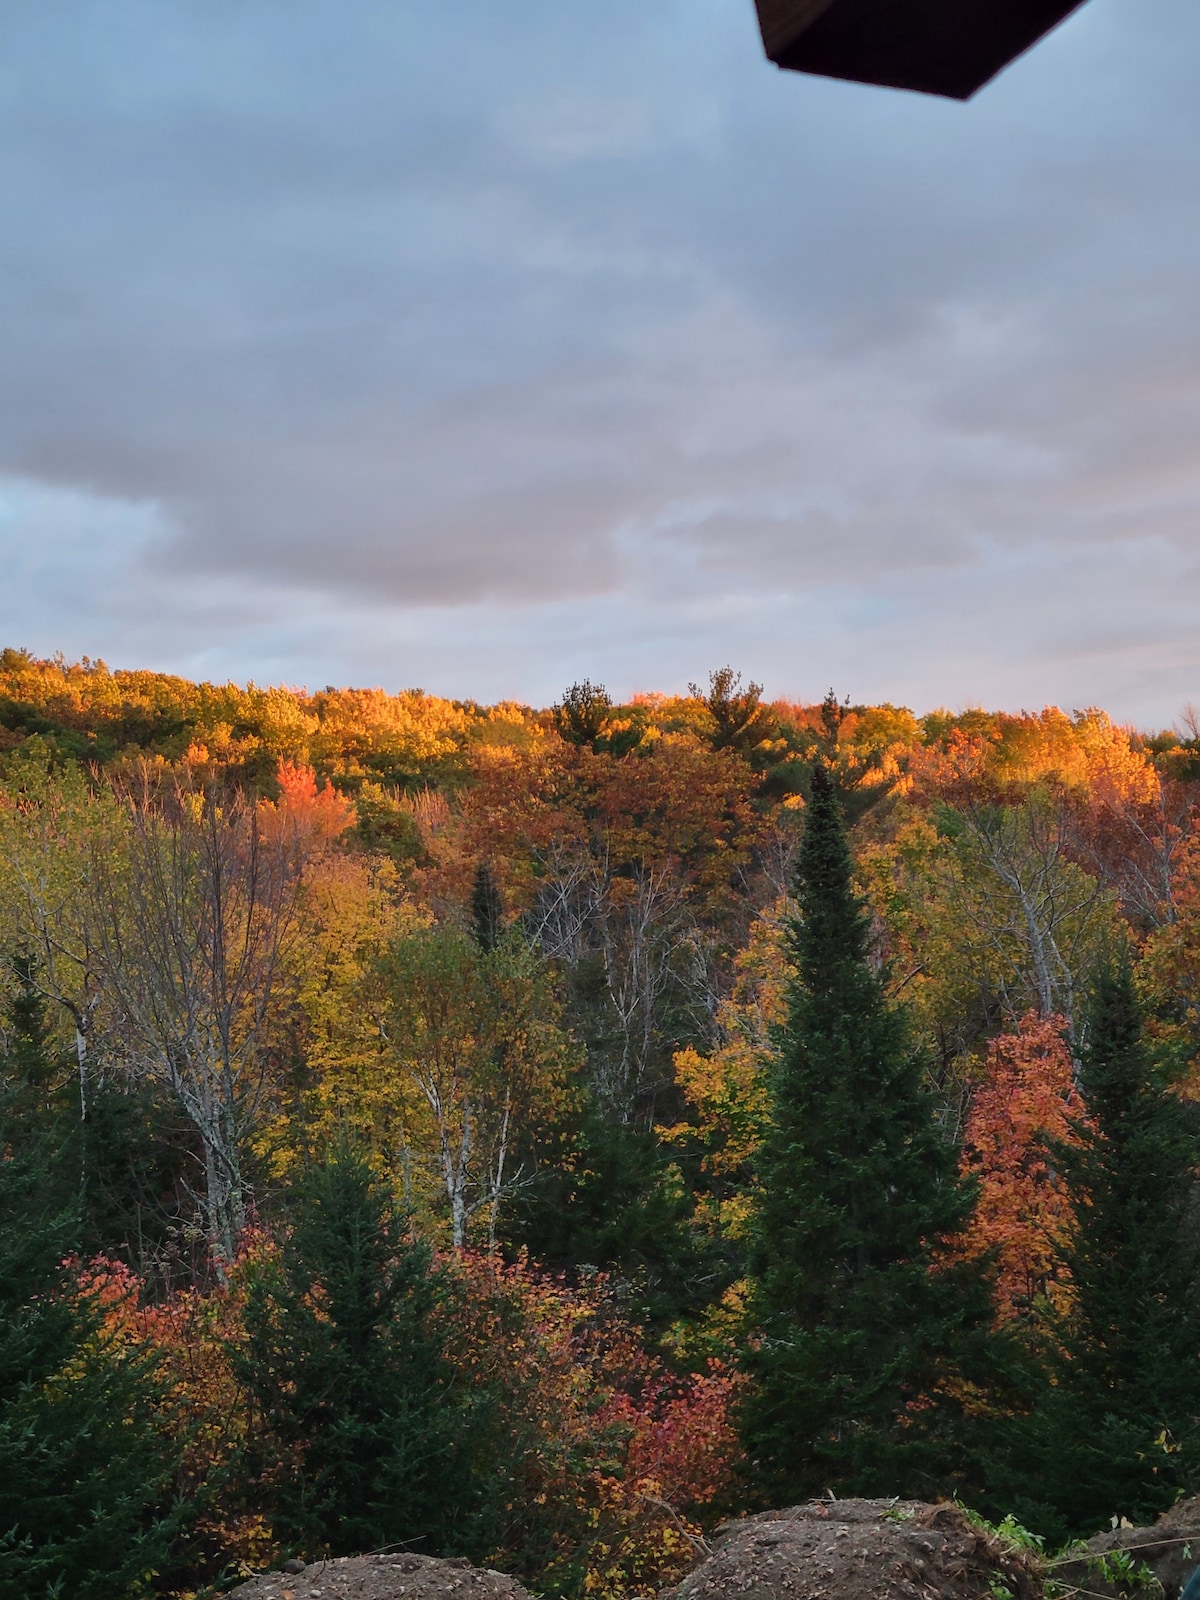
188	930
473	1040
1026	911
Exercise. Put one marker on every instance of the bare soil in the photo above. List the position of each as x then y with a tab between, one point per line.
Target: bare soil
388	1577
860	1550
827	1550
1170	1547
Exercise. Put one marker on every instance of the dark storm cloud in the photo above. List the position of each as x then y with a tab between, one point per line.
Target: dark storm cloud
456	342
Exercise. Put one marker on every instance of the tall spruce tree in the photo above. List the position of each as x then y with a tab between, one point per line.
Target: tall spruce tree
1119	1432
869	1338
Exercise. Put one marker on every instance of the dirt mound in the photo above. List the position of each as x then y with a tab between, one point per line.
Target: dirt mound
860	1550
1170	1548
390	1577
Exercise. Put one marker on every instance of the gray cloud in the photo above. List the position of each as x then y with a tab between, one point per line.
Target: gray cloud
434	345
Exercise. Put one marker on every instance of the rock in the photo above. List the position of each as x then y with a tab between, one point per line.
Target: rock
401	1576
294	1565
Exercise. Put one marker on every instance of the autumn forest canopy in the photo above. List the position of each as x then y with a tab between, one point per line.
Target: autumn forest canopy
531	1134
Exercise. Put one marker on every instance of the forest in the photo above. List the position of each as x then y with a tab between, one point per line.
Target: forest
534	1134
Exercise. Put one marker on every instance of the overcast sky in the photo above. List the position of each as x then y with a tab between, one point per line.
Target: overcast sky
486	347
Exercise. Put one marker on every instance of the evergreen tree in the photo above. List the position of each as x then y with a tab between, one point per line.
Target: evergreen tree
30	1064
1120	1429
609	1197
82	1468
123	1173
362	1440
867	1334
137	1197
740	720
487	909
582	712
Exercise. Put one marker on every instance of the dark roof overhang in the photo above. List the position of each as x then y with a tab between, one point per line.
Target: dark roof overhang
946	47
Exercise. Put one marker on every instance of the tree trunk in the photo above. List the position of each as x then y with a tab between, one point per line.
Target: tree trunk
498	1174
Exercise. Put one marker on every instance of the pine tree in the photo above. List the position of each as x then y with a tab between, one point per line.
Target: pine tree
740	720
1120	1429
868	1336
363	1441
582	712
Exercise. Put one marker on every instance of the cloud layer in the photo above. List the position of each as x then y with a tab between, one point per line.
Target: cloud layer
485	349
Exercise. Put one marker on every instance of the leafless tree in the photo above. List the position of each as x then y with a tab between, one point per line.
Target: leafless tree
1132	845
1023	900
639	924
189	928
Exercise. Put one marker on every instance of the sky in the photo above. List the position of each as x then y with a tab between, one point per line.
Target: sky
487	348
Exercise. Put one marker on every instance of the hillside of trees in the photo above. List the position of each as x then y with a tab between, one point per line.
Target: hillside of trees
533	1134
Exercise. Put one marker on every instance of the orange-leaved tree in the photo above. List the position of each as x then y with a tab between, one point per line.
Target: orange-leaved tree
1026	1104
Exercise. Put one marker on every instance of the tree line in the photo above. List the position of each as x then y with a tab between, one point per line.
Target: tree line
532	1134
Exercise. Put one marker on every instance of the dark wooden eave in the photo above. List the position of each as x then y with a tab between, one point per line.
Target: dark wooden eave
946	47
